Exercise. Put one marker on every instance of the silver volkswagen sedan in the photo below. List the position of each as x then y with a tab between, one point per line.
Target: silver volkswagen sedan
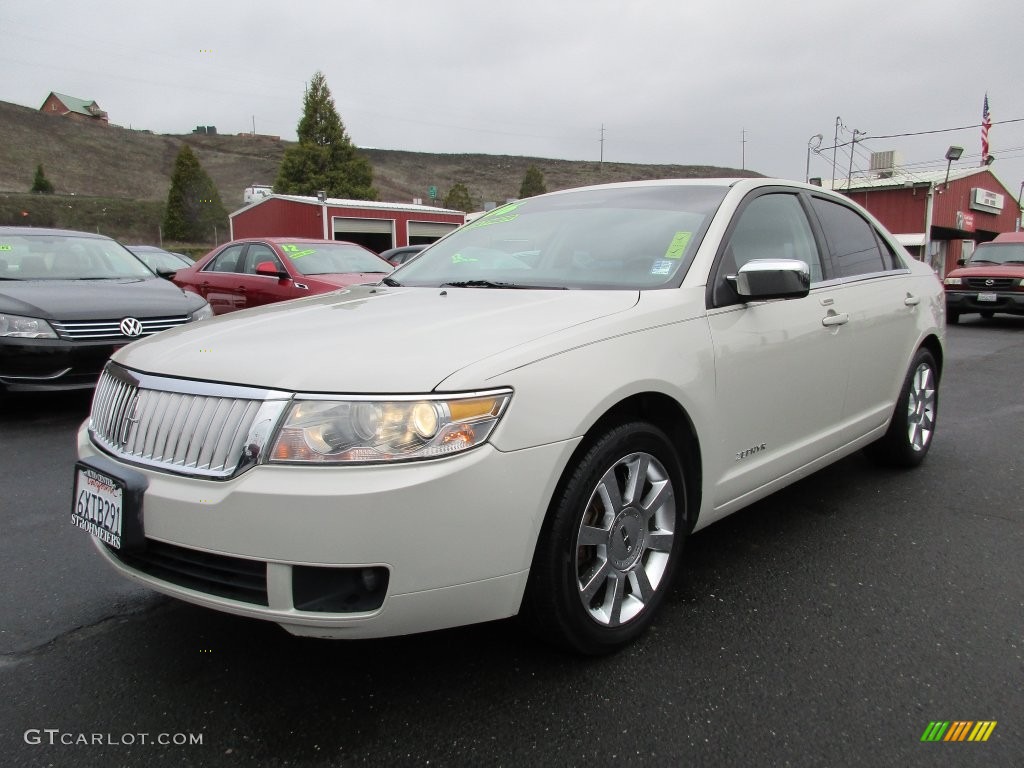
530	418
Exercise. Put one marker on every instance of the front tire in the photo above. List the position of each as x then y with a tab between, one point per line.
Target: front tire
612	542
987	314
952	317
910	432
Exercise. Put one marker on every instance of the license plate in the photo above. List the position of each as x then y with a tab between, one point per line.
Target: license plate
98	505
988	297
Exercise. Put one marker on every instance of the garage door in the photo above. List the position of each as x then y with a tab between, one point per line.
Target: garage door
375	234
429	229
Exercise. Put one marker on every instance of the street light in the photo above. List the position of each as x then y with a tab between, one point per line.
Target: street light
953	153
811	145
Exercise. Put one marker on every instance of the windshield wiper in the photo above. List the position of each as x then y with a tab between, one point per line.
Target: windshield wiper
1014	261
393	283
981	261
492	284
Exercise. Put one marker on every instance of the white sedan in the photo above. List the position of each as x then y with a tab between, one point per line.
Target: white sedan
530	418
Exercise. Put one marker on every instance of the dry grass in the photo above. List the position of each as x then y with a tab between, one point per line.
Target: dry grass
129	172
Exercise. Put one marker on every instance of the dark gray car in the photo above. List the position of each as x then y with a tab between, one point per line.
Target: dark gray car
69	299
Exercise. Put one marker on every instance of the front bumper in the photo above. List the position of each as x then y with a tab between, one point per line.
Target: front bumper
965	302
454	537
29	365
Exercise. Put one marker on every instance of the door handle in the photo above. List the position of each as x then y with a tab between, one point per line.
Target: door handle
832	318
912	301
241	289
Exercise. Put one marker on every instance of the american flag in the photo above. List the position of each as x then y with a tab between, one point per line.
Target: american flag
986	123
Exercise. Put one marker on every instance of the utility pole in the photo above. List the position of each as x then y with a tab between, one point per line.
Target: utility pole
835	146
853	146
601	162
743	150
254	126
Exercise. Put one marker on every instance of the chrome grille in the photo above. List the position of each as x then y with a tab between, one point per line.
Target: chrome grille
991	282
84	330
187	427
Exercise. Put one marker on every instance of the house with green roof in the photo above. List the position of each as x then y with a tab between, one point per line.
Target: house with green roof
73	107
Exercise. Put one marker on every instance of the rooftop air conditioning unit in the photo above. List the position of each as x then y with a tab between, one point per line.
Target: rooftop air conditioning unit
885	163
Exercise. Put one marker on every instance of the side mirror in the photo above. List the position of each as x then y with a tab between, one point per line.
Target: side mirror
961	262
269	269
166	274
772	279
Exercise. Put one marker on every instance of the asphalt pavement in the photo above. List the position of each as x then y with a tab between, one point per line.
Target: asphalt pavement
827	625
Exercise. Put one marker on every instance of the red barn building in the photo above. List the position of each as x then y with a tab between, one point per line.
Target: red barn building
378	226
74	108
938	221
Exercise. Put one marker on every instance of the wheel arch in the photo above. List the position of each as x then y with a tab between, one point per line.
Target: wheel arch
933	345
664	412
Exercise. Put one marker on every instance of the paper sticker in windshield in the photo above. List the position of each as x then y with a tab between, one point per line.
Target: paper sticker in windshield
6	248
294	252
678	245
497	216
458	258
661	267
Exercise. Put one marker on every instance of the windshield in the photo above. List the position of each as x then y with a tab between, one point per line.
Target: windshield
620	237
333	259
998	253
67	257
159	261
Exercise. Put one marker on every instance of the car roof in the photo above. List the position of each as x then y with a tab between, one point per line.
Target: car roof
41	231
1009	237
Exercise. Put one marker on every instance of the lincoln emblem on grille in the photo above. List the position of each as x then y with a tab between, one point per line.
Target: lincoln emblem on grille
131	327
130	420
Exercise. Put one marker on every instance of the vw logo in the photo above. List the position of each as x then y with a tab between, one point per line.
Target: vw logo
131	327
990	283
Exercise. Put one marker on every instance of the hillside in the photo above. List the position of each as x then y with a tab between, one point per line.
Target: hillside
135	165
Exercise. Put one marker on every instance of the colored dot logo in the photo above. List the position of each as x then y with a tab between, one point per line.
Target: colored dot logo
206	50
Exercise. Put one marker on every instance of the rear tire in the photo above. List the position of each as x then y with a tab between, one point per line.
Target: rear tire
912	427
611	544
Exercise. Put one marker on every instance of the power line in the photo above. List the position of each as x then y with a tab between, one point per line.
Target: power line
947	130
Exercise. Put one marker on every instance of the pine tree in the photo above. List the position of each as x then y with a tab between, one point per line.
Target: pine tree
533	183
194	208
325	157
458	198
41	184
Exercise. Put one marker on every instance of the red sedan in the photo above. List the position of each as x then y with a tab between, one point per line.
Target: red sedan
252	272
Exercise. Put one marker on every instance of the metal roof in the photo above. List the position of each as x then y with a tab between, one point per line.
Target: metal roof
904	178
81	106
365	204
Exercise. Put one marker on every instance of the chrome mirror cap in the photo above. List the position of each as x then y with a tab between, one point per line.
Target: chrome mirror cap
773	279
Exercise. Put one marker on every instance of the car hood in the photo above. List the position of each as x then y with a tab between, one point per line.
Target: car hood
93	299
366	339
989	270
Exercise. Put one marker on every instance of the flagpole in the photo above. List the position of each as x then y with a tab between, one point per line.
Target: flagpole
986	123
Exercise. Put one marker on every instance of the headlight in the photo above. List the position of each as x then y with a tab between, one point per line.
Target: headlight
953	281
205	312
20	327
347	431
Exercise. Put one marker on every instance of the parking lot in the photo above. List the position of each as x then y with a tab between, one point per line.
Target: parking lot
826	625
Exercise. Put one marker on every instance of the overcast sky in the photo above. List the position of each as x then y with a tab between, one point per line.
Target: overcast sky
672	81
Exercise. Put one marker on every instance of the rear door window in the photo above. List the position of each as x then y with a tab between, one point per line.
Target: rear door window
851	240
